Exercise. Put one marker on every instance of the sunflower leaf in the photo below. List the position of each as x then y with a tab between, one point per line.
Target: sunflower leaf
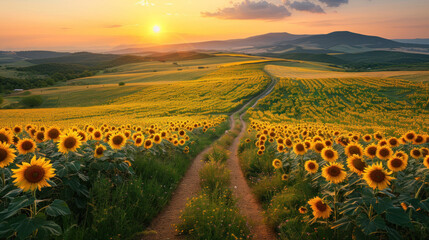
58	208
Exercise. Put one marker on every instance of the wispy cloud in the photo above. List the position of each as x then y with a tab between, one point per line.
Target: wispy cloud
249	9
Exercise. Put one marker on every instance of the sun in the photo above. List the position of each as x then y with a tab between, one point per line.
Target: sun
156	29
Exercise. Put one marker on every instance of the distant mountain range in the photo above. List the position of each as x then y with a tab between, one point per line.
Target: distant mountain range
335	42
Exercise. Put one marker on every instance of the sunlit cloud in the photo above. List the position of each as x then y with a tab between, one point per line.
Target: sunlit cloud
334	3
249	9
305	6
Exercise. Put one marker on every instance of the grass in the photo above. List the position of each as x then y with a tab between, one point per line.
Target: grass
212	214
137	201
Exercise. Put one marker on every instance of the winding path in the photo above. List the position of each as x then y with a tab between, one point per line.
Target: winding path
247	203
162	227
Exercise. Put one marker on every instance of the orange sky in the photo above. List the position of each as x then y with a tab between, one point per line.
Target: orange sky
105	24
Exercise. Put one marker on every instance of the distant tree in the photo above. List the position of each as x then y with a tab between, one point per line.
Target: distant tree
121	84
1	99
32	101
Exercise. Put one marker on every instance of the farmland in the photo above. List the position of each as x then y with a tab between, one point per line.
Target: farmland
232	120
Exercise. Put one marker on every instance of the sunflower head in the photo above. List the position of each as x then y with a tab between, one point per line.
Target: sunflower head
329	154
311	166
409	136
148	143
138	141
302	210
284	177
97	134
334	172
6	136
393	142
320	208
82	135
397	164
367	138
318	146
99	151
356	164
17	129
33	175
377	177
53	133
26	145
371	150
277	163
69	142
299	148
416	153
7	154
353	148
117	140
157	138
384	152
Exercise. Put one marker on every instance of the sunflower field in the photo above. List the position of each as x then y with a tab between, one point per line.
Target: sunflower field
50	175
341	183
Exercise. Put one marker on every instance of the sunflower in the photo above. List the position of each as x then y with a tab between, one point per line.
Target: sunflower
99	151
39	136
157	138
353	148
288	142
90	129
334	172
356	164
26	145
382	143
425	151
7	154
329	154
416	153
5	136
401	154
82	135
302	210
377	177
97	134
371	150
311	166
17	129
409	136
384	152
318	146
148	143
284	177
320	209
426	161
117	140
393	142
138	141
367	138
33	175
69	142
277	163
53	133
299	148
404	206
260	152
397	164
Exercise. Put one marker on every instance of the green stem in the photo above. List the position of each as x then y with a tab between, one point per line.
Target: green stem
420	189
3	177
34	212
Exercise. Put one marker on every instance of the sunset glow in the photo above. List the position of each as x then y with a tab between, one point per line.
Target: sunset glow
100	24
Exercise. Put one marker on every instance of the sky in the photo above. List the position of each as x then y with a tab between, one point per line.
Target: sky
99	25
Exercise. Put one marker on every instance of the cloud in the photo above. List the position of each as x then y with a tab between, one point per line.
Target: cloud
305	6
249	9
334	3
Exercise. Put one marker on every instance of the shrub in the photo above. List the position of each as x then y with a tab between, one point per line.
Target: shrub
121	84
32	101
1	99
